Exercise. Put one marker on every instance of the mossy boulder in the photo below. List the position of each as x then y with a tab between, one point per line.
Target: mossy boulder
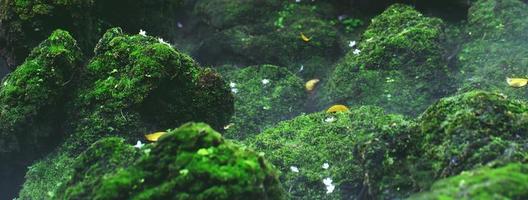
26	23
31	106
264	95
134	85
471	130
508	182
496	19
363	151
495	50
276	38
399	64
191	162
103	157
32	96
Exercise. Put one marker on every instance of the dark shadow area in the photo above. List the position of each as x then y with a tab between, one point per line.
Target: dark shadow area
4	70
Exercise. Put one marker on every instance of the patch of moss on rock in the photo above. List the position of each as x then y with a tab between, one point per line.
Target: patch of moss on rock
365	149
508	182
133	86
32	96
264	95
31	106
399	64
473	129
25	23
495	19
191	162
276	38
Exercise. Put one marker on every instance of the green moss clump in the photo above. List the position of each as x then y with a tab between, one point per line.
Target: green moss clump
273	38
398	65
103	157
264	95
25	23
508	182
134	85
495	50
471	130
495	19
31	97
366	151
191	162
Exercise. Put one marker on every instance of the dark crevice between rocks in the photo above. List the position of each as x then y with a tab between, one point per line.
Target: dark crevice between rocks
4	70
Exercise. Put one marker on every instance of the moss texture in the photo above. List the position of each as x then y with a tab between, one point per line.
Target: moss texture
133	86
31	99
274	38
32	96
191	162
365	149
495	49
399	64
508	182
495	19
264	95
25	23
471	130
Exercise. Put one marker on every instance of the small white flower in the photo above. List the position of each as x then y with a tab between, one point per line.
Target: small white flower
266	107
356	51
160	40
265	81
139	145
301	69
142	32
352	44
297	1
294	169
325	166
234	90
329	186
330	189
330	119
327	181
179	24
232	85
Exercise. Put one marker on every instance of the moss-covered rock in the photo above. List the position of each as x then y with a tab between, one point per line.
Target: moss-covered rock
496	49
104	157
31	106
363	151
274	38
264	95
496	19
31	97
471	130
26	23
191	162
508	182
399	64
133	86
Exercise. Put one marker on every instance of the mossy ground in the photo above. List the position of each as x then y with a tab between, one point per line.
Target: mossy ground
400	57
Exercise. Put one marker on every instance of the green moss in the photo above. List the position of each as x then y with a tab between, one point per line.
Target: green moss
26	23
133	86
471	130
486	64
103	157
508	182
494	19
32	96
191	162
365	149
264	95
261	42
398	65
